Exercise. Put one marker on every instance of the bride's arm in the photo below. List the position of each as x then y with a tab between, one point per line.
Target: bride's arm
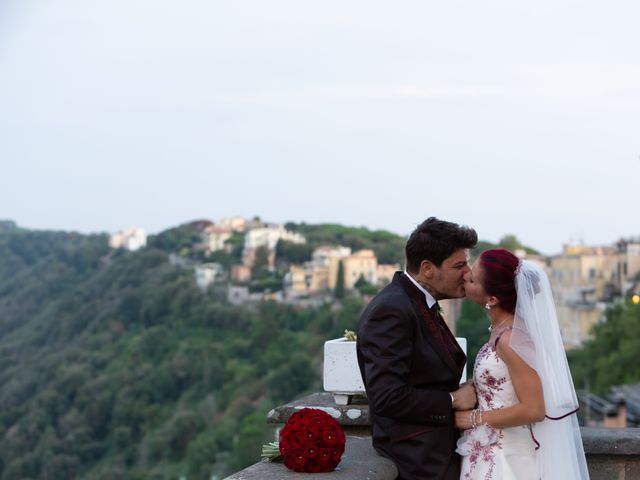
527	386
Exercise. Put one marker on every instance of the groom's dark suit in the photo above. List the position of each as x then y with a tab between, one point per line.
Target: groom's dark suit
409	362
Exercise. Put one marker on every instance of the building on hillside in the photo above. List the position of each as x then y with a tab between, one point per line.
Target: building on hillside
323	255
385	273
582	280
312	277
215	237
208	273
362	263
304	280
627	267
240	274
238	295
132	238
236	224
267	237
320	274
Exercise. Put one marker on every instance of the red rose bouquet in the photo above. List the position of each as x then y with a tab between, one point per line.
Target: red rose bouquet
311	441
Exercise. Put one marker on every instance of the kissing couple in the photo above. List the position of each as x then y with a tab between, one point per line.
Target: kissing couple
515	418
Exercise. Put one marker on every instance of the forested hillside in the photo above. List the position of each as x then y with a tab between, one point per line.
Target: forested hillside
113	365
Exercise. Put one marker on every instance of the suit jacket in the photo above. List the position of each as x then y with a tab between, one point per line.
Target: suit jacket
409	363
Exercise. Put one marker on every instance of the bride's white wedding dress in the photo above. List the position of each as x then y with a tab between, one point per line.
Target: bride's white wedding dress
510	453
496	453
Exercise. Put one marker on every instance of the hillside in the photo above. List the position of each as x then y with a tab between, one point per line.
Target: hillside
114	365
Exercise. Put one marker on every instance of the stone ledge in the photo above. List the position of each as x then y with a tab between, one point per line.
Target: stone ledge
611	441
355	414
359	461
611	452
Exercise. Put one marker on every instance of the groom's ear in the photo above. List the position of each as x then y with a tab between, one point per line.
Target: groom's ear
427	269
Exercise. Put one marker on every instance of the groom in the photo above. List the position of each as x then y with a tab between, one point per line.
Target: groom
410	362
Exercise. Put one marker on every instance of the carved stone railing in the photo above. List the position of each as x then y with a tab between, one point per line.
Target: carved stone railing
612	453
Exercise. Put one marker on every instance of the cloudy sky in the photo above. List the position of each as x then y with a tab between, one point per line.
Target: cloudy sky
512	117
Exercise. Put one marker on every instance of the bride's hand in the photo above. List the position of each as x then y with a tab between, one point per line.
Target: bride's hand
463	419
464	397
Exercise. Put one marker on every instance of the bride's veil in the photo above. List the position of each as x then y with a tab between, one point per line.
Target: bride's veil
536	338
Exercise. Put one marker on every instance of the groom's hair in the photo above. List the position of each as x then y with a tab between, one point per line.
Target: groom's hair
436	240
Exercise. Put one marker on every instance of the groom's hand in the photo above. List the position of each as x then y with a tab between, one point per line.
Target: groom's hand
465	397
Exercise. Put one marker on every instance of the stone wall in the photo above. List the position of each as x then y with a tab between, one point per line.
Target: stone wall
612	453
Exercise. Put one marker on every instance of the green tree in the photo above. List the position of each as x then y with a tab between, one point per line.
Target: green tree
608	358
365	287
261	261
290	252
472	325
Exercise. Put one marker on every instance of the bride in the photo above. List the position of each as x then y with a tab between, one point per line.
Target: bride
524	426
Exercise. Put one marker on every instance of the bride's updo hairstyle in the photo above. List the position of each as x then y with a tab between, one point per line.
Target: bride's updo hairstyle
499	270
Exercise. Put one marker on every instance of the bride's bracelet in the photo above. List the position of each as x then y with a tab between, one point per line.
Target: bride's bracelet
473	418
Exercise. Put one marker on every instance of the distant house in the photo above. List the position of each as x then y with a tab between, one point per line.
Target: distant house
240	274
237	295
362	263
314	276
627	265
208	273
321	273
582	279
620	408
215	237
236	224
308	279
385	273
267	237
132	238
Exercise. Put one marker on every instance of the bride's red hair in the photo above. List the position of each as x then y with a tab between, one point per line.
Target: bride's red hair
499	269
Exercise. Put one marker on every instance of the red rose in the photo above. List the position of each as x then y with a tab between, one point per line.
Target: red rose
324	456
310	450
310	436
330	437
314	467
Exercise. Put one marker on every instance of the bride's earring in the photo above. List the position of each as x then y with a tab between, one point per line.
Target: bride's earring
487	306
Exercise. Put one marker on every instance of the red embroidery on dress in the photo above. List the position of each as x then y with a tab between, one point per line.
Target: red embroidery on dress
486	454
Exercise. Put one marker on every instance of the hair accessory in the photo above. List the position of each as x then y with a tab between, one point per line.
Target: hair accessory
517	271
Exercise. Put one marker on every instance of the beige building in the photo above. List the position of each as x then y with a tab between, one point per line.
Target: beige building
385	273
237	224
313	277
627	264
132	238
362	263
581	278
308	279
268	237
321	273
215	236
240	274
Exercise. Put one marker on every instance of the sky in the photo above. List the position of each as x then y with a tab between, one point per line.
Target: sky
512	117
